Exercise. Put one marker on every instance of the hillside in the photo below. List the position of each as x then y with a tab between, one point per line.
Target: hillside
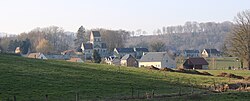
31	79
191	35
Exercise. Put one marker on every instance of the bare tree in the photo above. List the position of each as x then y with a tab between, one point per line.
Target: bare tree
238	41
44	46
157	46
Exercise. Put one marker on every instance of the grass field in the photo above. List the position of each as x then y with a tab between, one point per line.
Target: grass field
219	63
31	80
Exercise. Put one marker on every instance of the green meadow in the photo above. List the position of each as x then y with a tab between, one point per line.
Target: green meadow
32	79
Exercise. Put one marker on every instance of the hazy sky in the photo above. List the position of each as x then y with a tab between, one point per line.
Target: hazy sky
18	16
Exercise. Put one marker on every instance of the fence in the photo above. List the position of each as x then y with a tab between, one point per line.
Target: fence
135	93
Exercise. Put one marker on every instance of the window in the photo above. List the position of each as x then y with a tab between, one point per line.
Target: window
142	65
166	60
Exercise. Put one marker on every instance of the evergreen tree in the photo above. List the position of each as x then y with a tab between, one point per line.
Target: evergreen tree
25	46
13	45
96	57
79	37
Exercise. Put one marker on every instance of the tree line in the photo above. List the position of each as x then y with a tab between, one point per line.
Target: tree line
54	40
191	35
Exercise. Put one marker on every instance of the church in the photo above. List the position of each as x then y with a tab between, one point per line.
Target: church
95	43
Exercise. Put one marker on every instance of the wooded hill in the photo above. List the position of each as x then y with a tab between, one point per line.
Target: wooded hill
192	35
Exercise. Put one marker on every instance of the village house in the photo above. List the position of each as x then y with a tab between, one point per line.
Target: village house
195	63
129	61
157	59
191	53
95	43
210	53
120	52
18	51
139	52
87	49
37	56
111	60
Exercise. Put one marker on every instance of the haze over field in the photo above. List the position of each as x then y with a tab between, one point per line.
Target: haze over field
19	16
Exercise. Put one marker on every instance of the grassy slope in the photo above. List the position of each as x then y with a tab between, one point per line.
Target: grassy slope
31	79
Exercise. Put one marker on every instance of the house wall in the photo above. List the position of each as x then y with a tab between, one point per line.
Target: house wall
146	64
204	53
205	67
123	62
130	62
41	56
88	53
103	52
168	62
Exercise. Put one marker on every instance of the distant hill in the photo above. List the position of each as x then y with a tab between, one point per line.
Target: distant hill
192	35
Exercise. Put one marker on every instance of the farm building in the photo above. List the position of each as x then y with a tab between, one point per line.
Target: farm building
195	63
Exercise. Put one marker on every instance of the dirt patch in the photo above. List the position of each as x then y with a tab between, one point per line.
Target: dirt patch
153	68
167	69
181	70
247	78
193	72
230	75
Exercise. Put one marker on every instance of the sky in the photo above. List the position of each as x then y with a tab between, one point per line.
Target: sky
17	16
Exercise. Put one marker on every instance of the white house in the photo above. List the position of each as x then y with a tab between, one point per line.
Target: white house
157	59
210	53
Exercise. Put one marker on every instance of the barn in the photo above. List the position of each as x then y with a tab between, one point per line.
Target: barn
195	63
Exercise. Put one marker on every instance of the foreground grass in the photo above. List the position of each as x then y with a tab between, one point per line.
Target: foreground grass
31	79
228	96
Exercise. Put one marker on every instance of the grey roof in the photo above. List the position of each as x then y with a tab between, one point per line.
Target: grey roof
125	50
58	57
153	56
141	49
96	33
191	51
212	51
88	46
126	57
